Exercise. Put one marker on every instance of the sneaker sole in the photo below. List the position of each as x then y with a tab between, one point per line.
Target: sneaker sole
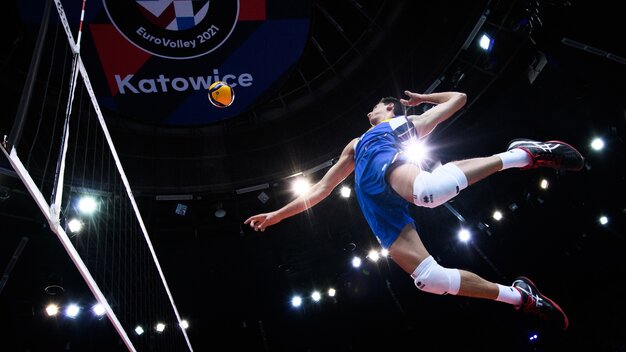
566	320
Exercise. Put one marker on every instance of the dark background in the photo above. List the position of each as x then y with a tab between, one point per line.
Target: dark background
234	285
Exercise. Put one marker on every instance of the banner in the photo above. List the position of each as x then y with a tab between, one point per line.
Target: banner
153	61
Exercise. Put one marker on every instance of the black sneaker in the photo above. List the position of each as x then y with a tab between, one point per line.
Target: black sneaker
554	154
533	302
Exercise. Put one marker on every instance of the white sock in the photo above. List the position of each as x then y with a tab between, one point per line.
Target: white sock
509	295
514	158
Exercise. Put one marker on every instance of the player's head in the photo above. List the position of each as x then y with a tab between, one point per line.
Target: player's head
386	108
398	108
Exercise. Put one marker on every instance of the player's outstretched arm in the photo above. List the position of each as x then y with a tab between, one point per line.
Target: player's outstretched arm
319	191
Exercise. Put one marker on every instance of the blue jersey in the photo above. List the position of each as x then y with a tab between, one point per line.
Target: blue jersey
376	152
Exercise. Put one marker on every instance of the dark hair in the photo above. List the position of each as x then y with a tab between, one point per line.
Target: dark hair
398	108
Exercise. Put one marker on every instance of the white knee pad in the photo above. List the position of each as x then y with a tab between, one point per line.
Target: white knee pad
433	189
431	277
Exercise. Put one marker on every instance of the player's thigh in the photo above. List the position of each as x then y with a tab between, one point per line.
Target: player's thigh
407	250
401	179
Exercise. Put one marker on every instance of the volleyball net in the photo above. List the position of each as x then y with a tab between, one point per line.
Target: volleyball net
60	147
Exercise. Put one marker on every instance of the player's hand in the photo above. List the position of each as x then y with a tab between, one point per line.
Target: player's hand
261	221
414	99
